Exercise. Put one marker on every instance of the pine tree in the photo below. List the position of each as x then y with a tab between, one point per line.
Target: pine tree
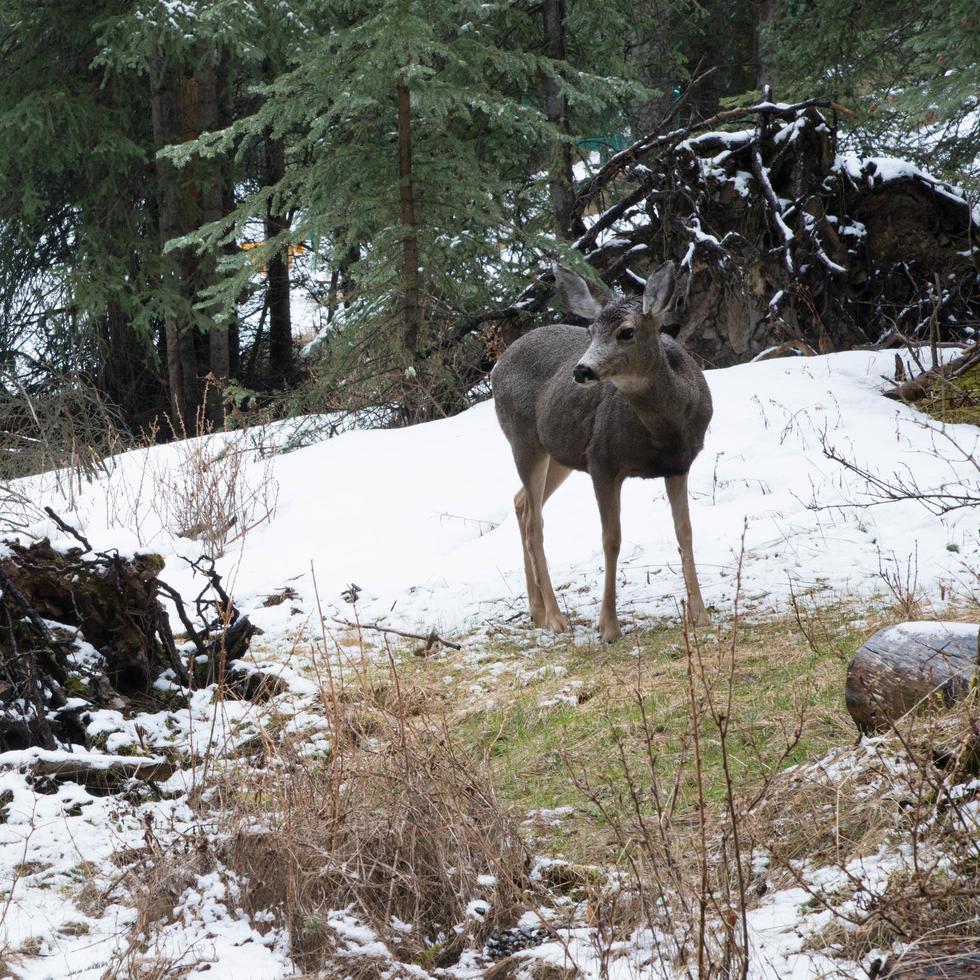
408	126
88	95
907	74
184	54
77	252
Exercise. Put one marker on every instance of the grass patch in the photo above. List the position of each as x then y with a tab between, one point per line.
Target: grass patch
626	709
955	401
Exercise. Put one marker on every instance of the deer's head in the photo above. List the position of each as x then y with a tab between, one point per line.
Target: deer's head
625	333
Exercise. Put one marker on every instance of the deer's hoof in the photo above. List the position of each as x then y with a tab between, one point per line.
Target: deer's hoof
611	634
557	623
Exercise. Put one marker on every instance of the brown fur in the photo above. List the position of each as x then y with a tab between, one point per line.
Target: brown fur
642	411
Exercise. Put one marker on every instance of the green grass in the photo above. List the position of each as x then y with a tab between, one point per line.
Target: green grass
955	401
634	716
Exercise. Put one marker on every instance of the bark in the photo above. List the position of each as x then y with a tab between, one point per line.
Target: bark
560	182
412	314
909	666
103	771
126	370
209	115
277	277
765	73
919	386
185	102
655	64
939	959
166	111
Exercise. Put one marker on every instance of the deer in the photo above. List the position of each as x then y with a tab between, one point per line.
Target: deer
617	399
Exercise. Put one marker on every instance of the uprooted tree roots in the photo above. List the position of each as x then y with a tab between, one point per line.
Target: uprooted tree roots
80	629
787	242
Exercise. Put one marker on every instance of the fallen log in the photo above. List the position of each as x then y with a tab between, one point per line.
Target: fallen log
910	665
88	767
956	959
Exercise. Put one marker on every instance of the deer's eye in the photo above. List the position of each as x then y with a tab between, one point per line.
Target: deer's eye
626	334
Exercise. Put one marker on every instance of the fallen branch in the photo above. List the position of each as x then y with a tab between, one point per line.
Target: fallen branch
85	769
430	639
918	387
896	488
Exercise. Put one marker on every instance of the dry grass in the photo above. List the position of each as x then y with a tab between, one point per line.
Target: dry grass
395	824
685	758
910	799
955	401
211	493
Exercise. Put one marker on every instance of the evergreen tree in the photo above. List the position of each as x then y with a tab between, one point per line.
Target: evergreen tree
78	255
408	126
185	55
908	74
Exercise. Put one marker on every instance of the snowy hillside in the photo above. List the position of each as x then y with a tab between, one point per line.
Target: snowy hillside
421	519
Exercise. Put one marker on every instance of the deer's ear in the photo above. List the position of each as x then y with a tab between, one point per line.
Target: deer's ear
578	296
658	293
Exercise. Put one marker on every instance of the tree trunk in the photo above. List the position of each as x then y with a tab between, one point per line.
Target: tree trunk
208	116
560	182
764	47
184	102
907	666
412	316
277	278
656	66
127	375
182	374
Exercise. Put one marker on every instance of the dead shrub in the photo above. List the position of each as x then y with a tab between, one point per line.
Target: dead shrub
212	495
66	431
160	879
395	828
66	428
909	798
206	484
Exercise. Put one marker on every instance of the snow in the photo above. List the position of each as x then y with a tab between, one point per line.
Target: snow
930	630
421	520
16	758
884	169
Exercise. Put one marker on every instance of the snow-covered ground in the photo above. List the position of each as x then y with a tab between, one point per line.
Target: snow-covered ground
421	521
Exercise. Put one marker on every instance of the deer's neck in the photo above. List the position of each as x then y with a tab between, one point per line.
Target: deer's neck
656	396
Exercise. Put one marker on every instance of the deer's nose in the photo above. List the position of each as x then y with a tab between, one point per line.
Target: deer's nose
583	374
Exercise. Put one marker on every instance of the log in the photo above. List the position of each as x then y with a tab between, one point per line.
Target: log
918	387
908	665
949	960
87	768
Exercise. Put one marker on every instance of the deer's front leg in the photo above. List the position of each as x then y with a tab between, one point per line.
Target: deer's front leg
607	493
677	495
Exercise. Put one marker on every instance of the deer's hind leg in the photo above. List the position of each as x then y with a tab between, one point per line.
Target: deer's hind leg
541	478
